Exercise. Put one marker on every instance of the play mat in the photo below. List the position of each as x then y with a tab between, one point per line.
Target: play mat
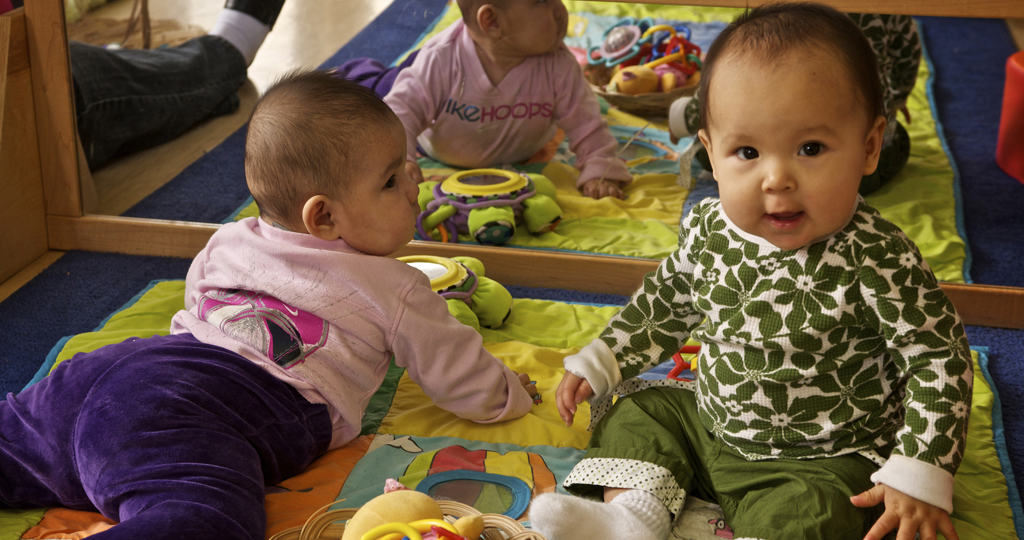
497	468
923	199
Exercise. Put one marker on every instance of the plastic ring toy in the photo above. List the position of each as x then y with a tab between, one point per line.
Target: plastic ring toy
456	183
442	232
443	272
659	28
383	532
621	43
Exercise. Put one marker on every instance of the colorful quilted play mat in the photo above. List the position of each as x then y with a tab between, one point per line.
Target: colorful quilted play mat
495	468
923	199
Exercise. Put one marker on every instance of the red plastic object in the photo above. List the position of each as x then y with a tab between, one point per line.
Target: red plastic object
1010	147
682	365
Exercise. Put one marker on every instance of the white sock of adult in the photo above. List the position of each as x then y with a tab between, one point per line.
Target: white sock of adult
635	514
242	30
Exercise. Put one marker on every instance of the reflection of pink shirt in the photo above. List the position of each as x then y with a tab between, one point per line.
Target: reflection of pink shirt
5	6
449	107
327	319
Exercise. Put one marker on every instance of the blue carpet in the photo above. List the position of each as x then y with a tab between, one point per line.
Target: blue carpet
72	296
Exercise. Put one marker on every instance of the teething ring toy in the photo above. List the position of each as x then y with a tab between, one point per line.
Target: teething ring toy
448	278
487	204
622	42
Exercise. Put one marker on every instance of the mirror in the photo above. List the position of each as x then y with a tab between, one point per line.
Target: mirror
143	236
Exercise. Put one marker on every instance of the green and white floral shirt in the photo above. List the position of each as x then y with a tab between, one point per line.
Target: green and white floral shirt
844	345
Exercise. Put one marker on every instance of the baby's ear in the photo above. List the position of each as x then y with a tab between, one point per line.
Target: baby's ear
873	145
705	139
318	216
487	20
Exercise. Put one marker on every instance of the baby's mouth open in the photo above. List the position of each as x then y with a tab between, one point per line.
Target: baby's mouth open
785	220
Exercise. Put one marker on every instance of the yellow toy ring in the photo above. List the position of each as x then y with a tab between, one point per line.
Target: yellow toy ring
659	28
677	56
454	184
402	529
453	272
395	531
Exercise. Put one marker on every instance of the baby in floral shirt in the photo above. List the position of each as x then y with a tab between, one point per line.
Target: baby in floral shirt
834	373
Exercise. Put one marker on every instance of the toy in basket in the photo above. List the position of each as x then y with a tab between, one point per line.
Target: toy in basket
474	299
488	204
642	67
410	514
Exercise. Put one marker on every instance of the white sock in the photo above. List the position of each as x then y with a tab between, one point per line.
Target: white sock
242	30
635	514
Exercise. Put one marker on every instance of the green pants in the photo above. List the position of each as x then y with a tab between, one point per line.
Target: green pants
654	440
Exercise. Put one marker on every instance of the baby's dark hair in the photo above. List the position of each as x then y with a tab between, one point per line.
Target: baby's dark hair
304	134
770	31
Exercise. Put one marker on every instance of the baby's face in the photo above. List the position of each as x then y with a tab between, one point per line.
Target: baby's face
789	143
535	26
378	206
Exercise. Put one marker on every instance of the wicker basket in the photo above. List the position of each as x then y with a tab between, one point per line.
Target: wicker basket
330	525
652	104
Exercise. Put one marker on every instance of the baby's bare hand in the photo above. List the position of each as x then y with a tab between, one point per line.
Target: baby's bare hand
571	392
909	514
529	385
598	188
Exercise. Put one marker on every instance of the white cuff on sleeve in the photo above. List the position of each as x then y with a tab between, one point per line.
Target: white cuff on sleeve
677	118
596	363
918	479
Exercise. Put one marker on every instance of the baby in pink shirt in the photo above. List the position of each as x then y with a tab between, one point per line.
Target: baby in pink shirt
494	87
335	201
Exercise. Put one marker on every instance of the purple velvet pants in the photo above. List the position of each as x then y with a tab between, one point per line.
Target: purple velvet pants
372	73
171	437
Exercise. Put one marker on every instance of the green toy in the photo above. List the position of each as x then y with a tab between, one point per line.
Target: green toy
473	299
487	204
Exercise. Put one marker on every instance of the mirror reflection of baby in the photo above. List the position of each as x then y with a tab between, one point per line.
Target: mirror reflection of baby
493	88
834	374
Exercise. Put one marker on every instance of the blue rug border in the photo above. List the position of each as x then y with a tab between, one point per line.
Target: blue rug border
999	438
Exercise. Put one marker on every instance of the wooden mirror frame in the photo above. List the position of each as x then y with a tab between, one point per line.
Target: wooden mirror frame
34	45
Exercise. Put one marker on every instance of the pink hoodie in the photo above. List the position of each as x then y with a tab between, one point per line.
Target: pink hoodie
327	319
450	108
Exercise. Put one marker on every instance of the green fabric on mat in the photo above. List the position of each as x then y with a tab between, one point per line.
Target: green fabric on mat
921	198
981	506
14	523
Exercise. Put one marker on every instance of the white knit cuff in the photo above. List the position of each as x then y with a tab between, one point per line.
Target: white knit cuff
918	479
596	363
677	117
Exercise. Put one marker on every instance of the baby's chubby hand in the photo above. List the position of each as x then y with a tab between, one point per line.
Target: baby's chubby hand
909	514
599	188
572	391
530	386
